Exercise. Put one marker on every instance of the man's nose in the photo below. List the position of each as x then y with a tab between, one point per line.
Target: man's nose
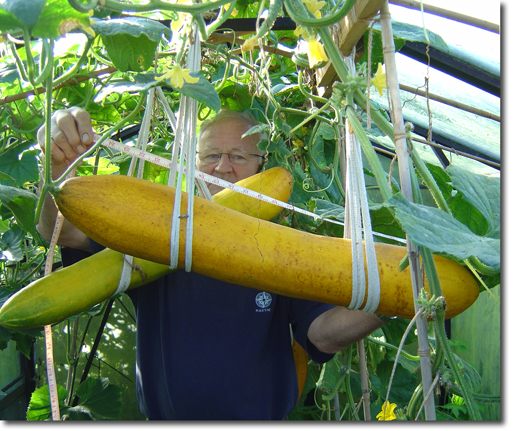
224	164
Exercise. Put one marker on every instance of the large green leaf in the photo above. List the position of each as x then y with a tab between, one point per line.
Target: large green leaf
483	192
442	233
131	42
22	204
39	408
20	165
460	208
58	18
10	244
414	33
203	91
99	398
18	14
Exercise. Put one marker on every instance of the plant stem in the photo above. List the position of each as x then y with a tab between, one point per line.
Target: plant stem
48	184
305	19
436	291
371	155
153	5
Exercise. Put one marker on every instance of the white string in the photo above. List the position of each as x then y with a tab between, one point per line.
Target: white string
185	144
357	214
352	214
126	274
142	139
167	109
373	282
141	145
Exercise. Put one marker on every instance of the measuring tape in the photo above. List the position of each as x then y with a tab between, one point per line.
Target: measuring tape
50	367
165	163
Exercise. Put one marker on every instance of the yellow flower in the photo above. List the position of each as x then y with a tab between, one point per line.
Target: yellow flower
314	6
380	79
249	44
177	76
298	143
183	18
315	52
234	11
300	31
387	412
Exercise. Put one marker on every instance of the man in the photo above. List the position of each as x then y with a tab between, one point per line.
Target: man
208	349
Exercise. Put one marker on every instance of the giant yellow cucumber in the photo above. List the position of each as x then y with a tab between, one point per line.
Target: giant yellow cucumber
134	216
78	287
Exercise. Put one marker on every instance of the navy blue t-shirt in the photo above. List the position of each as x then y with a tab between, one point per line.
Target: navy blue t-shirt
210	350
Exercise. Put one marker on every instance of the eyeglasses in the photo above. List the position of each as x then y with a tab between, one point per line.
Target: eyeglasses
235	157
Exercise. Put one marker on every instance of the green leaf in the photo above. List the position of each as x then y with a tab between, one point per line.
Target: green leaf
384	222
58	18
100	398
460	208
442	233
131	42
20	165
203	91
327	209
414	33
22	204
5	177
317	150
483	192
16	14
10	244
39	408
326	131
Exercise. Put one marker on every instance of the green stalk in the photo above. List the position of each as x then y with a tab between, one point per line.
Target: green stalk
272	14
153	5
75	4
310	117
415	403
428	179
332	53
19	62
392	347
80	61
48	47
220	20
30	59
369	152
436	291
48	183
305	93
302	18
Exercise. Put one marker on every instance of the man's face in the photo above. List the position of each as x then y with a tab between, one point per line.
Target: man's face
223	154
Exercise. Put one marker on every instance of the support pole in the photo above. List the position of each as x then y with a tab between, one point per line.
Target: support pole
406	188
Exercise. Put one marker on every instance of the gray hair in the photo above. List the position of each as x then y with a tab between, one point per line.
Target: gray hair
227	114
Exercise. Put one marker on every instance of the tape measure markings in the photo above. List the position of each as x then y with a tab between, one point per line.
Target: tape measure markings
50	366
166	163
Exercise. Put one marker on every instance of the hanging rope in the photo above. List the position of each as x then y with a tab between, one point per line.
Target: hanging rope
357	214
185	149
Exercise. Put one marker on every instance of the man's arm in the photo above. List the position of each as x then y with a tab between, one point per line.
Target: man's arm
339	327
71	136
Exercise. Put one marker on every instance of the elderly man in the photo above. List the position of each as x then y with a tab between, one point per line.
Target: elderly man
206	349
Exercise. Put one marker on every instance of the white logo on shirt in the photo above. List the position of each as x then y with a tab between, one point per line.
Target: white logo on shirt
263	300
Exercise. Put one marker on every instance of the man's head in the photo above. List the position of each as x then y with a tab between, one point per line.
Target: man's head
223	153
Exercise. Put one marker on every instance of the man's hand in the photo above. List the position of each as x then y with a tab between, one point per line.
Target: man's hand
72	135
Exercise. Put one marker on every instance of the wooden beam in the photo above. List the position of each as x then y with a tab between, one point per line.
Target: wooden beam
346	34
